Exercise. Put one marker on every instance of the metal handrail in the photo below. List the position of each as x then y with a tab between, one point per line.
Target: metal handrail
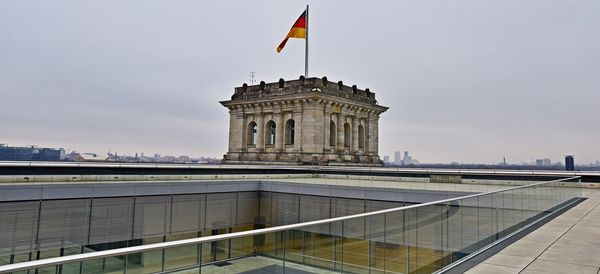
177	243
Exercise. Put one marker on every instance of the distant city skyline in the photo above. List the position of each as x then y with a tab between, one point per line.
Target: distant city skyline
539	162
110	151
463	82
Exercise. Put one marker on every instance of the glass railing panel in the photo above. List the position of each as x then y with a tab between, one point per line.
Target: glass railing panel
453	232
279	247
540	192
319	246
558	193
411	239
245	257
576	190
484	220
497	210
69	267
570	190
536	192
243	246
355	246
144	262
338	254
60	269
265	244
375	235
548	196
429	255
294	244
44	254
469	211
508	213
396	247
213	254
181	257
220	250
5	255
246	250
519	215
518	206
115	264
540	200
19	257
529	209
148	261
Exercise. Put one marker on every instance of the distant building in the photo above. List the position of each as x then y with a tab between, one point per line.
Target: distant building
547	162
85	157
386	159
539	162
397	157
31	153
406	160
569	163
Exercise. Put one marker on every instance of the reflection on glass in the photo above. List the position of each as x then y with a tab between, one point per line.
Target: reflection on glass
419	239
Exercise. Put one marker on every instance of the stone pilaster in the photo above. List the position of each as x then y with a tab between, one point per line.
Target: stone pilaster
375	137
340	132
279	126
373	134
260	131
297	116
367	135
312	118
355	133
326	121
234	130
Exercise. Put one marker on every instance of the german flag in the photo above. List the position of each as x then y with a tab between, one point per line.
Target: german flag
298	31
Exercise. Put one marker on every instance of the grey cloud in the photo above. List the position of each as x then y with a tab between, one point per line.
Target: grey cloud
468	81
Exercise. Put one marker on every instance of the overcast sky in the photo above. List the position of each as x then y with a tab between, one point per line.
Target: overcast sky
467	81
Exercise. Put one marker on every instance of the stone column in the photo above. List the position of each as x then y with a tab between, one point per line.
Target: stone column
355	121
279	126
340	132
260	131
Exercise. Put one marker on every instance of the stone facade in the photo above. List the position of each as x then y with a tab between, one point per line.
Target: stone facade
305	121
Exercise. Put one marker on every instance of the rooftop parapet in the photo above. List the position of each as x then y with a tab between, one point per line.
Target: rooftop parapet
303	85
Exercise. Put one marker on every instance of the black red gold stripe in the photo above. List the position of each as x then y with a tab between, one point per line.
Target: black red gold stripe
298	31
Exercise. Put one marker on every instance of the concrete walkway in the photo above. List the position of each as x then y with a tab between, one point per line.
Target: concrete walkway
568	244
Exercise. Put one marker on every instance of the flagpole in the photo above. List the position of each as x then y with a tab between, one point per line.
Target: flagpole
306	48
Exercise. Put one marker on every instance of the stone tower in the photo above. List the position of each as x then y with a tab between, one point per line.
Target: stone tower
305	121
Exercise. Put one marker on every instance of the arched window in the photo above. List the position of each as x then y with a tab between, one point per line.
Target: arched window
290	131
347	136
252	133
332	131
361	136
270	136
